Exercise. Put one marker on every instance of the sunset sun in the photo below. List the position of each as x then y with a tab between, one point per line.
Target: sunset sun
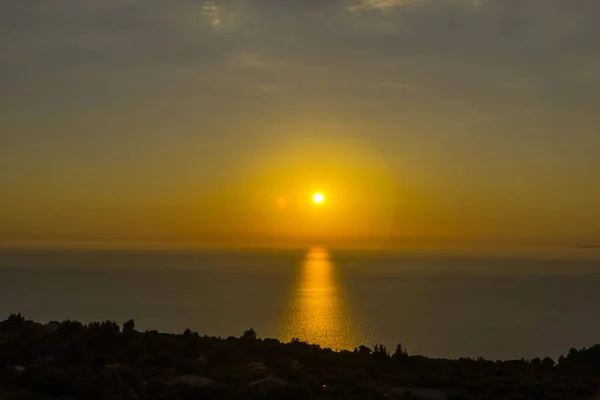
318	198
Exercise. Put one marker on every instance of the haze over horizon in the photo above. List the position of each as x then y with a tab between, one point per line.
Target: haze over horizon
422	122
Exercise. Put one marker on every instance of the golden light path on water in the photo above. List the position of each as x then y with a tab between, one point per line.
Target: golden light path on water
317	312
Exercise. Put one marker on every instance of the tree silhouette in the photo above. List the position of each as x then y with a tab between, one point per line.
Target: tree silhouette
400	353
362	349
129	326
99	361
250	334
380	352
15	319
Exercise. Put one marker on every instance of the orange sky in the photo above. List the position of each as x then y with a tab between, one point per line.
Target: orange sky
215	122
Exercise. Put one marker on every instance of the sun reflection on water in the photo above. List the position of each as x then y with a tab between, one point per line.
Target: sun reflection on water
317	312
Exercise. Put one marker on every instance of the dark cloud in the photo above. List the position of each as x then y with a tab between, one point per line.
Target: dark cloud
497	58
486	55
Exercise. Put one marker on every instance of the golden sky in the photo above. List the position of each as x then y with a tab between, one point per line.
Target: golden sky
215	122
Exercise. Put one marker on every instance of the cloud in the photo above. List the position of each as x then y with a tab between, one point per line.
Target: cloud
388	5
443	47
382	5
212	12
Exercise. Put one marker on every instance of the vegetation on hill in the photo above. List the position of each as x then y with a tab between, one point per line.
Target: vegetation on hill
102	360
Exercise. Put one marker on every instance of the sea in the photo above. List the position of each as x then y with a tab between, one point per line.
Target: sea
446	304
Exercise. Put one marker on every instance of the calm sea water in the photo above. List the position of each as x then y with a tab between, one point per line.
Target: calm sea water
499	307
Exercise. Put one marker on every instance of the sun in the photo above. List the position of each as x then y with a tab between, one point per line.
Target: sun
318	198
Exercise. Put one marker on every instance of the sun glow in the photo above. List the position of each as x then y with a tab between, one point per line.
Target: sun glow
318	198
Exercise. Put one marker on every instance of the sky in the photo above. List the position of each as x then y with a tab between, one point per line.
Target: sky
214	122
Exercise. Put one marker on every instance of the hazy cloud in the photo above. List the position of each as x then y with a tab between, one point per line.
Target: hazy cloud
382	5
211	10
